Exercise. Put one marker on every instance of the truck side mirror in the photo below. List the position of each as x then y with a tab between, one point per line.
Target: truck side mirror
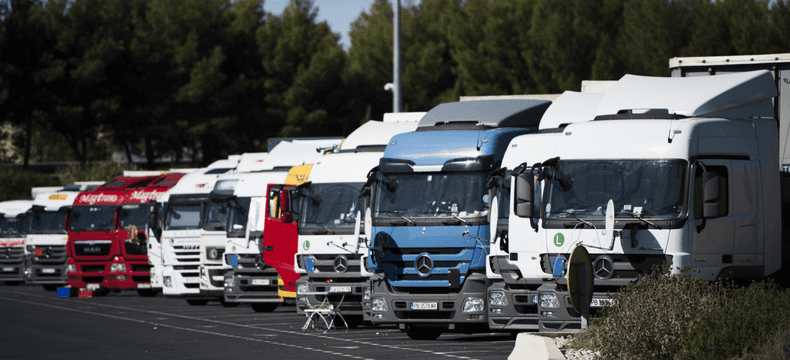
711	192
285	207
525	188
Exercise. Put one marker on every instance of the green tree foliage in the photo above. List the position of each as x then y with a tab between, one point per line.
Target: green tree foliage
215	77
303	63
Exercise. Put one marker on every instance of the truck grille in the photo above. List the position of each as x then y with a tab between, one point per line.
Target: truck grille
93	279
144	267
92	248
403	259
11	254
326	262
52	254
626	266
92	268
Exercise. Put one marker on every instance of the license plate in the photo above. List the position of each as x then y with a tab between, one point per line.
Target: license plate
424	306
143	286
217	278
191	280
92	287
340	289
260	281
48	271
601	302
85	293
8	269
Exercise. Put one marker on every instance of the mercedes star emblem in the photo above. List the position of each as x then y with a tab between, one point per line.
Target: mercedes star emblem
603	267
424	265
341	264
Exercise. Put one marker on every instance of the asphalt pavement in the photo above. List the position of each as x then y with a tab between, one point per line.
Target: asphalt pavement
36	324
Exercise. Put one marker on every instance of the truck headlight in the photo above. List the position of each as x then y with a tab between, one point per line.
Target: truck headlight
366	293
230	282
474	304
71	268
379	304
497	298
168	281
302	288
549	300
117	267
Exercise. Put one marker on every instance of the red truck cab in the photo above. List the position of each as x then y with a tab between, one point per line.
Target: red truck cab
107	243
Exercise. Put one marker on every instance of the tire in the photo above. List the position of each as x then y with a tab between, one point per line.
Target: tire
197	302
51	287
14	283
424	333
264	307
146	292
228	304
353	321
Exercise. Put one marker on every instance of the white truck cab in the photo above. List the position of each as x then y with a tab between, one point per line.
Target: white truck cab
687	168
174	248
326	228
14	224
47	236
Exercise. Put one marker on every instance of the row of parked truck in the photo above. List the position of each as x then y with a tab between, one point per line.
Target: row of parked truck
458	219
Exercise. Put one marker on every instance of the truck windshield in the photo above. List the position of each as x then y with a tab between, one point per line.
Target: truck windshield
182	216
14	226
638	188
48	222
239	212
93	218
134	214
216	217
432	195
339	207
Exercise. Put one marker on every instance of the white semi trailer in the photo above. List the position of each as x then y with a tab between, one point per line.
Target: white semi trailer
688	168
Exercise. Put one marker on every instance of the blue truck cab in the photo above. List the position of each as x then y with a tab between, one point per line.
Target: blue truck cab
430	216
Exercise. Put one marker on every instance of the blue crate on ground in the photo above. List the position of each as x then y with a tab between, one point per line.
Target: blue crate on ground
64	292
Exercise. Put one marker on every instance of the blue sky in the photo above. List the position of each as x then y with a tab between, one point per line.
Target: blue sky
339	14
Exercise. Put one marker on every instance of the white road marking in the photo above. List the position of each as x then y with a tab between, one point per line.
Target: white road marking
188	329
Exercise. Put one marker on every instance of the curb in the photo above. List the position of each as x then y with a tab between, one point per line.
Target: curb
534	347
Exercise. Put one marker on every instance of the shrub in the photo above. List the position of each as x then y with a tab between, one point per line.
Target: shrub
777	347
104	171
16	182
749	317
650	319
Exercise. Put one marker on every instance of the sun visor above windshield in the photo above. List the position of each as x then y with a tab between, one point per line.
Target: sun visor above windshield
380	132
571	107
484	114
15	207
740	95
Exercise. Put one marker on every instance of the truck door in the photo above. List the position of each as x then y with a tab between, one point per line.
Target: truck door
712	238
748	241
279	236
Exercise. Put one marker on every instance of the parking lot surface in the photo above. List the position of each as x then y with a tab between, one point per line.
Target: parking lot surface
36	324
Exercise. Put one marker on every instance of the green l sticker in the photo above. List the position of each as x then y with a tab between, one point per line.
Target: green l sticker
559	239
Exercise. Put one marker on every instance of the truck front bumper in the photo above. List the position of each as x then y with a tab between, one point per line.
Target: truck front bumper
563	318
45	273
212	280
520	312
346	296
136	276
12	263
251	287
447	308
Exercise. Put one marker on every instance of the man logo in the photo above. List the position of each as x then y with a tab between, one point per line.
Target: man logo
424	265
341	264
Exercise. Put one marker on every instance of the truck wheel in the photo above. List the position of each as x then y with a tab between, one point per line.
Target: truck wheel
264	307
146	292
228	304
197	302
50	287
353	321
13	283
423	333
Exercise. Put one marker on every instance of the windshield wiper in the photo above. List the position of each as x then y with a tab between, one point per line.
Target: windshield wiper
572	212
459	218
399	213
321	225
639	216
